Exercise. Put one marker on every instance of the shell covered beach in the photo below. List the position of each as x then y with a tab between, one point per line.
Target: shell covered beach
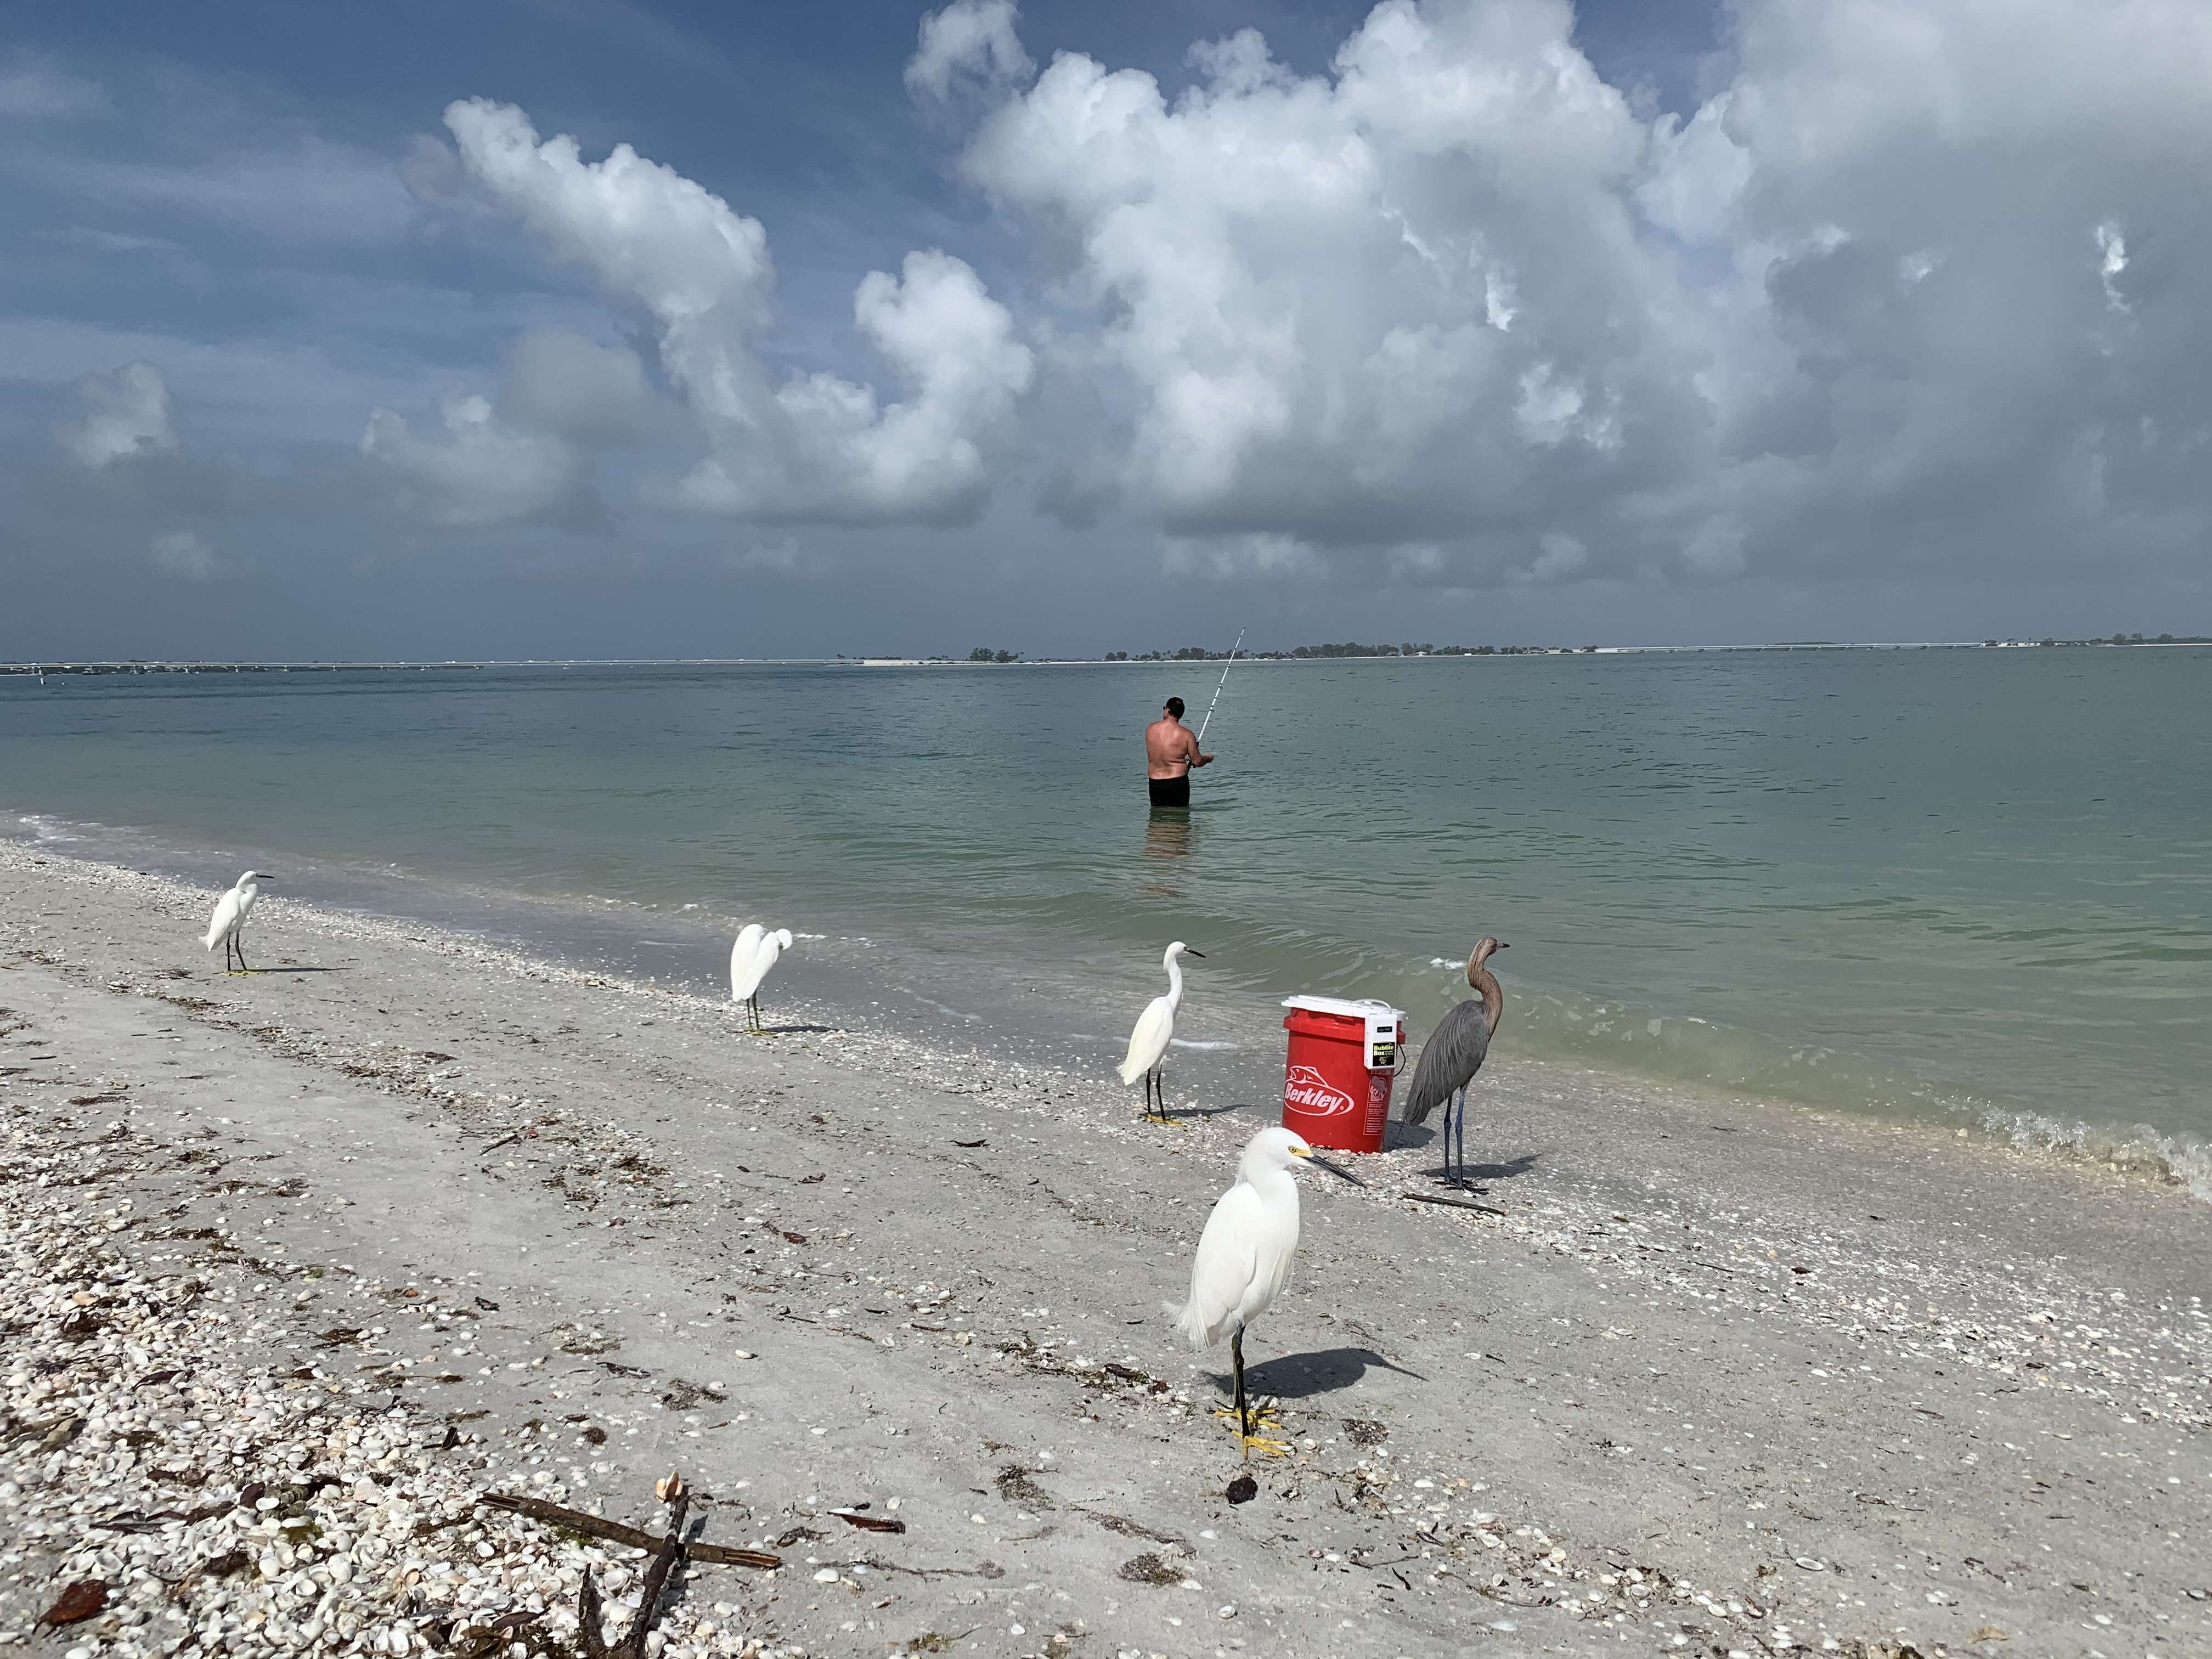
302	1266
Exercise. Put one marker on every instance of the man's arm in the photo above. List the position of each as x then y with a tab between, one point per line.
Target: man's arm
1190	751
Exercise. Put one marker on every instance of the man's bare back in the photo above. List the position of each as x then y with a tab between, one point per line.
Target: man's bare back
1170	752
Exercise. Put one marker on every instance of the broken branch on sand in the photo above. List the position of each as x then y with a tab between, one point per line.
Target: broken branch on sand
1454	1203
559	1515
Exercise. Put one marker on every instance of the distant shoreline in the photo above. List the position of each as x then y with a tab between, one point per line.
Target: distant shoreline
150	666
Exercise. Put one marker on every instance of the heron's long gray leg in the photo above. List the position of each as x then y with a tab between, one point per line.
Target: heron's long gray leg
1459	1155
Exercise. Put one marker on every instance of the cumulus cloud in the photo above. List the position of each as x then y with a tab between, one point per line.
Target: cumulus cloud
483	470
1913	287
127	413
970	43
804	446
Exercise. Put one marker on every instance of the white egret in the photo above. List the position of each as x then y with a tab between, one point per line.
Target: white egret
745	980
741	957
227	926
1154	1030
1243	1259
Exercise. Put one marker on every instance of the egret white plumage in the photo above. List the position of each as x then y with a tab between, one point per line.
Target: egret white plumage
1243	1258
1455	1053
227	926
1154	1030
741	957
745	979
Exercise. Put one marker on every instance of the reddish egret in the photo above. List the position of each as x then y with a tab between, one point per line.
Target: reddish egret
1454	1054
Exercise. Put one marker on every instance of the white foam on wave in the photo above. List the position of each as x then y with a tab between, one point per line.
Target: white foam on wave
1177	1043
2128	1149
46	829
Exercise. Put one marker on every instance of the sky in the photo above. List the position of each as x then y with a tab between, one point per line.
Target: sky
548	328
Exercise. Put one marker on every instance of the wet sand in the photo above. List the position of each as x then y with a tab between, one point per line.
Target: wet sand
1724	1377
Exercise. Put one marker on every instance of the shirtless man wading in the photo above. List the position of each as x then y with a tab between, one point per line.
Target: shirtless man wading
1169	753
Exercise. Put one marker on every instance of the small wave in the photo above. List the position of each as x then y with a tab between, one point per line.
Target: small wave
2132	1149
46	829
1177	1043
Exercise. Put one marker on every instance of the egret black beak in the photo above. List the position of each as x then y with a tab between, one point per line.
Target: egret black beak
1340	1173
1187	951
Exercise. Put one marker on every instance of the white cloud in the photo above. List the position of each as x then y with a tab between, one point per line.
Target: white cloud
814	446
185	554
968	43
1458	286
2112	247
483	471
127	413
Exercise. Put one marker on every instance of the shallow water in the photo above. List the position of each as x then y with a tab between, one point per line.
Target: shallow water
1971	883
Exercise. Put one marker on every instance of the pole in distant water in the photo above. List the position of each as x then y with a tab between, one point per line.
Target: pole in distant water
1218	690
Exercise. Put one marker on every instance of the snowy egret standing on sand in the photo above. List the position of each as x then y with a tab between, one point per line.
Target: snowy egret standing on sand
1243	1258
1455	1053
746	977
1154	1030
226	925
741	957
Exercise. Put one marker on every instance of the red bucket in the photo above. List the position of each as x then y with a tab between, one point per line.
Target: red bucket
1343	1061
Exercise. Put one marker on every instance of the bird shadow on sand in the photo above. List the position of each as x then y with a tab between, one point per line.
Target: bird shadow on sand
1303	1376
795	1030
297	968
1397	1135
1198	1114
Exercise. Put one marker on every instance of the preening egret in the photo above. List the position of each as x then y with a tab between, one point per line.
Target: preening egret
1244	1258
741	957
1155	1029
745	979
1454	1054
227	926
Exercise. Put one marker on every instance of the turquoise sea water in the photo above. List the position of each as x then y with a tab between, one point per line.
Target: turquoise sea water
1969	883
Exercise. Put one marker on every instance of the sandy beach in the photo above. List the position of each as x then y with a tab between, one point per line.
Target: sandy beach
403	1220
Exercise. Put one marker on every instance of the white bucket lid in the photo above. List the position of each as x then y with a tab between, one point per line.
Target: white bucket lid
1364	1008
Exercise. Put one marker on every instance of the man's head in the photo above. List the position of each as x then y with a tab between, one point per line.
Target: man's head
1174	709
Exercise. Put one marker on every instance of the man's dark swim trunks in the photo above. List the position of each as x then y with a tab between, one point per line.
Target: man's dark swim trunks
1170	792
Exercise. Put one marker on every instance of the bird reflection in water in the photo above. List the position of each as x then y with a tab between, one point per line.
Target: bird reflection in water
1170	837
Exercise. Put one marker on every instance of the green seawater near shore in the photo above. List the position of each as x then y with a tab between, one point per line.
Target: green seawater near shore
1974	885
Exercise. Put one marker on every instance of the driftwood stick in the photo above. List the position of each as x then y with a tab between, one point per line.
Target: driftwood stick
656	1580
559	1515
1454	1203
587	1619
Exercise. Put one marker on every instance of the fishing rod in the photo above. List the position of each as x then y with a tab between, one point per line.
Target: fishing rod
1218	690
